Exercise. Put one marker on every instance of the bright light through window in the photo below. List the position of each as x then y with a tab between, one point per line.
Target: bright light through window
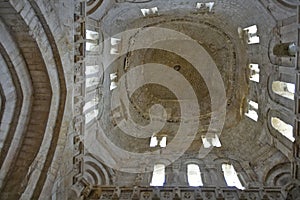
92	35
91	115
251	29
252	110
253	40
252	114
153	141
113	85
253	104
115	45
113	76
194	175
158	178
284	128
284	89
251	32
163	142
211	141
290	87
231	177
208	5
146	11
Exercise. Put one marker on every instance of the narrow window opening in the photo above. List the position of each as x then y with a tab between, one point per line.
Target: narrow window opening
92	35
92	41
113	85
90	116
194	175
208	6
163	142
158	177
115	46
254	72
209	141
155	141
251	32
282	127
199	5
231	176
252	110
284	89
91	46
113	80
149	11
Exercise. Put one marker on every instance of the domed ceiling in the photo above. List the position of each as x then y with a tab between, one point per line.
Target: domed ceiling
182	73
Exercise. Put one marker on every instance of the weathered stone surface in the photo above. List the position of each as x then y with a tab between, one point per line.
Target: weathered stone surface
67	132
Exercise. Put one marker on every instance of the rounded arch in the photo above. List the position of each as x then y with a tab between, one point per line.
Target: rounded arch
91	176
291	4
103	176
204	174
285	118
278	175
242	175
45	66
93	5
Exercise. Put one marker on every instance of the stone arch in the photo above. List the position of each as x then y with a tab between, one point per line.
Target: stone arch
293	192
283	116
101	174
56	54
93	5
291	4
36	31
241	173
204	173
21	90
278	175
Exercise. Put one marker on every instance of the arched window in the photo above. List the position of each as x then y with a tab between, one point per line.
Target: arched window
282	127
252	110
158	177
284	89
194	175
231	176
